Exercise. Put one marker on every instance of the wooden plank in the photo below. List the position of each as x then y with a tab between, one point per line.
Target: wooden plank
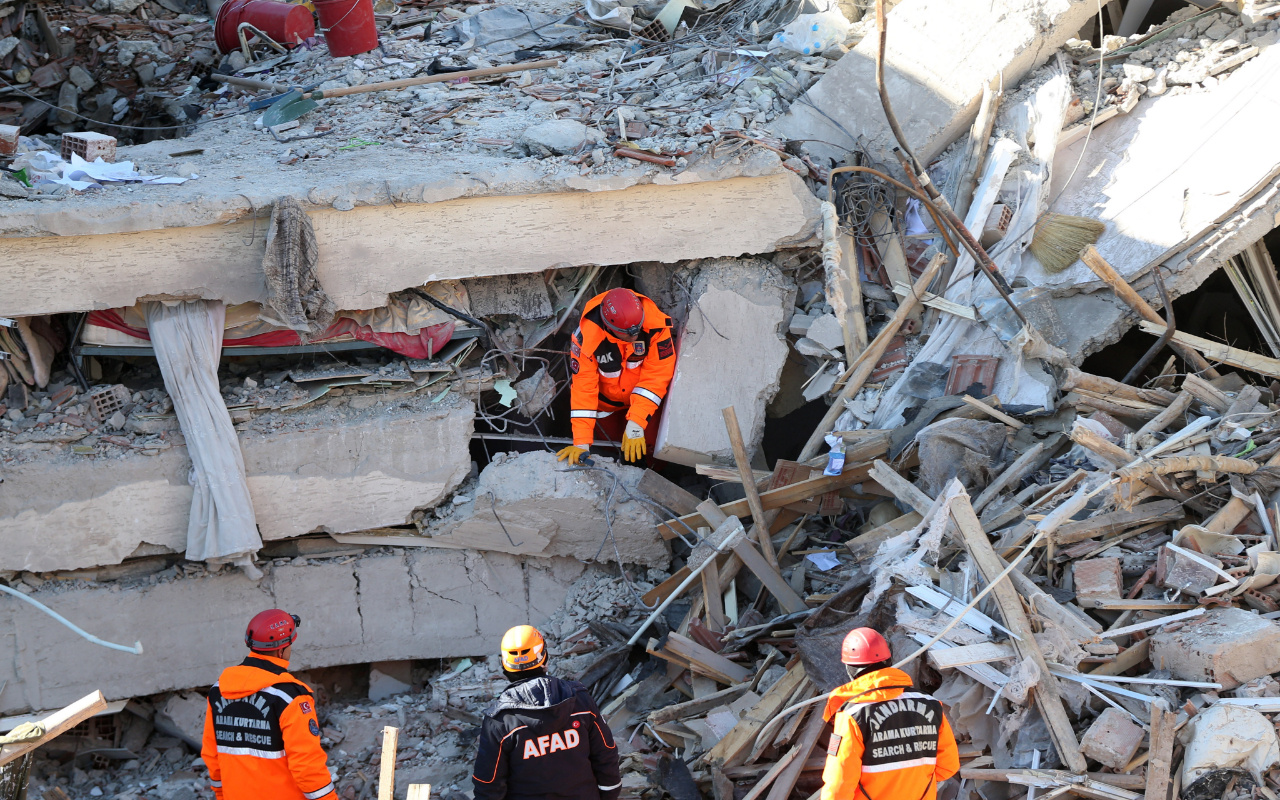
1160	762
866	544
1206	393
990	565
1118	521
994	413
760	523
664	492
728	475
1167	417
770	577
1128	658
1027	776
901	488
774	499
730	750
1114	389
419	791
701	705
892	258
712	599
1118	604
964	655
786	781
56	724
700	659
387	770
1264	365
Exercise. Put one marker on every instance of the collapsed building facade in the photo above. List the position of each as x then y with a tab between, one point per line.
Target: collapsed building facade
453	231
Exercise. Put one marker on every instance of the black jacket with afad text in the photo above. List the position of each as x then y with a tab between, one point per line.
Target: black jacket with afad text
544	738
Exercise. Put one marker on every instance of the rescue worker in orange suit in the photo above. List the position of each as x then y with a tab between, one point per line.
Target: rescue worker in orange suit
889	742
621	358
261	735
544	736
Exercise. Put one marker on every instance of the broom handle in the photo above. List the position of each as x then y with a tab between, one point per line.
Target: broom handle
405	83
1094	261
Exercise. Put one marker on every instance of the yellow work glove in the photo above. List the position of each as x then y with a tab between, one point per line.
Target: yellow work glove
633	444
572	454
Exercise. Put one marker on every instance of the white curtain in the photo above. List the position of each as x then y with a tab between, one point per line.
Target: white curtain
187	337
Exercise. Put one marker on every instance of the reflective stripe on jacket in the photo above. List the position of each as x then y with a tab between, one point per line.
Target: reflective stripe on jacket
888	742
261	735
609	374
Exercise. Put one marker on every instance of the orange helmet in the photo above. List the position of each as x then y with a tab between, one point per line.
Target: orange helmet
523	648
863	646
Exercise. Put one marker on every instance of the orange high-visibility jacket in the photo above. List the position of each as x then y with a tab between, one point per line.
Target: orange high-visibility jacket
610	374
261	736
889	743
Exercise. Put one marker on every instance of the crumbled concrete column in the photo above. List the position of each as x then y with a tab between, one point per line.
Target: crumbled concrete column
547	512
319	470
1112	739
1097	579
1230	646
410	604
933	73
731	352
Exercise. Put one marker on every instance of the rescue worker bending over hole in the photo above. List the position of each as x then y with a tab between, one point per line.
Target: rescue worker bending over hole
543	737
261	735
889	742
621	359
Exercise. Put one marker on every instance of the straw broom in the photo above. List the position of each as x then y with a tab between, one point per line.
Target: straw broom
1059	238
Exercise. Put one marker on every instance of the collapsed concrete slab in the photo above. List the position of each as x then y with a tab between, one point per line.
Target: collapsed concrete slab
731	353
934	73
526	504
435	220
381	607
326	468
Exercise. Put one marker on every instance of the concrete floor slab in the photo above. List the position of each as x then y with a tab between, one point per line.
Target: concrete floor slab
422	223
319	473
392	606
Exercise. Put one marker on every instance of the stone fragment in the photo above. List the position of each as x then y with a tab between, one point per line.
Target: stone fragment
183	717
800	323
1227	645
1218	30
1112	739
808	347
1098	579
81	78
1139	73
389	678
827	332
557	137
731	352
68	102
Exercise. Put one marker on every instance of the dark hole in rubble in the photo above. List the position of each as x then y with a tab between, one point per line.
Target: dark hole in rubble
1213	311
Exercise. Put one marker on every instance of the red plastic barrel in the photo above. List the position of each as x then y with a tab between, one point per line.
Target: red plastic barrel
348	26
287	23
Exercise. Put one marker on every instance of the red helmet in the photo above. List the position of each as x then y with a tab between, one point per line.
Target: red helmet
864	646
622	311
271	630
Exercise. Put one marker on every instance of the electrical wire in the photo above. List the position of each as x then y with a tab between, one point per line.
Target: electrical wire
136	649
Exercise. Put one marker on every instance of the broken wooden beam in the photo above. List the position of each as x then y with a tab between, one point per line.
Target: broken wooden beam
760	520
1160	760
1113	522
56	724
698	659
1010	603
1243	359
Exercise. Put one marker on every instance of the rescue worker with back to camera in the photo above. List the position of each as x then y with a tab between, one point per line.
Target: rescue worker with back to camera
544	736
621	359
261	735
889	742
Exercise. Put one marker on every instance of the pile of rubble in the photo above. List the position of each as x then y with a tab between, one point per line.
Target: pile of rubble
112	61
